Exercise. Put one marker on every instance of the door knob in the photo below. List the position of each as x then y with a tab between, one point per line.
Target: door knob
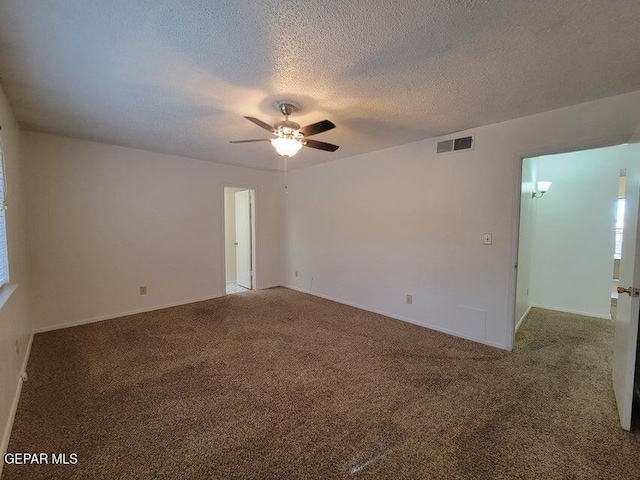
632	292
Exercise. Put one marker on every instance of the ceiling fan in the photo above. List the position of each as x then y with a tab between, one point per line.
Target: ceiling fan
288	137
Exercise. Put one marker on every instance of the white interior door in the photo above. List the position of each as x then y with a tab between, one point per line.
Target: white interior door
626	326
243	239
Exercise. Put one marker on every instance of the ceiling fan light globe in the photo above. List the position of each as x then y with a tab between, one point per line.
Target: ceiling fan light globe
286	146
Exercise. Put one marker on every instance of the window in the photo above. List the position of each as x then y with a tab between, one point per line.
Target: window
4	254
619	228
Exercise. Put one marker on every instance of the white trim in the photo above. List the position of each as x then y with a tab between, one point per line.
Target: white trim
575	312
122	314
14	405
512	272
396	317
254	233
6	291
265	287
523	317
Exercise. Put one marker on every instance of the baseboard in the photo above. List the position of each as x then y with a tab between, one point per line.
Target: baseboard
575	312
523	317
122	314
265	287
14	405
396	317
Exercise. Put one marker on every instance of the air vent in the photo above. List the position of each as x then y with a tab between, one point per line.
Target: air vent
445	146
455	144
464	143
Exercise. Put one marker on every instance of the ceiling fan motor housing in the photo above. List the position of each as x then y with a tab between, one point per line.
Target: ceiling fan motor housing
286	126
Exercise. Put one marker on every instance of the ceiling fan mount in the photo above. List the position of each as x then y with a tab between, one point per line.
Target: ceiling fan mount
286	107
289	137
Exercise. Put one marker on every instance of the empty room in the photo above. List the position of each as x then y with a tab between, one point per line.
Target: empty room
286	239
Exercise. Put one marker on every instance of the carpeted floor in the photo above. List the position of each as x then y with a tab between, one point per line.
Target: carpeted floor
278	384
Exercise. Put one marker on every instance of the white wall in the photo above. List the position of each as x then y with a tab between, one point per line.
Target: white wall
15	330
104	220
230	231
574	230
369	229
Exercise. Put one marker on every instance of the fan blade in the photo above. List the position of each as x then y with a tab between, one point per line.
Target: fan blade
260	123
329	147
249	141
316	128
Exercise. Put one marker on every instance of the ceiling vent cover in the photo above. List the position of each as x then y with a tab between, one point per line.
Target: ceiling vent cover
445	146
455	144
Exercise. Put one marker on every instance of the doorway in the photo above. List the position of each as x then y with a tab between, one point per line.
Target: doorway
570	234
574	209
619	234
239	239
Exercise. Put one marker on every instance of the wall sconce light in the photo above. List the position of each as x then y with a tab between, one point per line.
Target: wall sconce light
540	189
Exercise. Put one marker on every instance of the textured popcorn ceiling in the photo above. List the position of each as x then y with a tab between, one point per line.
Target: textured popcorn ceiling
177	76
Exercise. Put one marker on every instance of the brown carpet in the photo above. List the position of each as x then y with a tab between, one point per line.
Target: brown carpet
278	384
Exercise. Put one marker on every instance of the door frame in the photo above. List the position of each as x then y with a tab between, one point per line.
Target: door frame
515	213
254	235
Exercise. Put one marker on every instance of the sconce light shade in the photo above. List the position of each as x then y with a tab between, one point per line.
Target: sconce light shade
541	188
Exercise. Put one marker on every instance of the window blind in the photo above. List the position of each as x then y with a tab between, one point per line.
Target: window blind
4	255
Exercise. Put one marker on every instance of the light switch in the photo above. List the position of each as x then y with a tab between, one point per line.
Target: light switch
487	239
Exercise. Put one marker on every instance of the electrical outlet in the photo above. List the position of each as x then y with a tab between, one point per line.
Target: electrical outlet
296	273
409	299
143	290
487	239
